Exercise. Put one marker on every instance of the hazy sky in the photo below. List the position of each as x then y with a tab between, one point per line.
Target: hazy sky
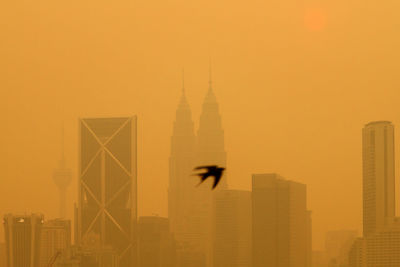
295	80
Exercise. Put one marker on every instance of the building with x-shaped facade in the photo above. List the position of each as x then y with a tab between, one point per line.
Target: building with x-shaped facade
107	205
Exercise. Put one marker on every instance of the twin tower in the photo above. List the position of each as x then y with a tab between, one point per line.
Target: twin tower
189	204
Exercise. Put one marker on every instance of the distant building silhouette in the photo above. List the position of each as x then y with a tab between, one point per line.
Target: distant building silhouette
378	175
380	244
107	196
232	229
22	236
210	150
55	238
181	183
155	242
62	178
380	249
3	255
280	222
309	239
189	204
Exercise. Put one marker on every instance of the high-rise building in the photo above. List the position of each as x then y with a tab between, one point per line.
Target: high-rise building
232	243
280	222
378	176
55	241
181	183
3	255
381	248
62	178
155	242
210	150
309	239
22	237
380	244
107	198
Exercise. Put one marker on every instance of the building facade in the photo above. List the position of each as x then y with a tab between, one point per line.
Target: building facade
22	239
55	238
107	198
155	242
280	223
232	229
378	176
181	182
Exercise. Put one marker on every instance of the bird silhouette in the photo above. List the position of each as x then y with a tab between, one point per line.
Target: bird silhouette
212	170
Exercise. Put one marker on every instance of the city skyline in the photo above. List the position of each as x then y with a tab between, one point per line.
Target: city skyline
294	92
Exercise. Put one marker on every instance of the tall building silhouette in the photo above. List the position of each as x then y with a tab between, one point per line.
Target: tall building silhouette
378	175
232	242
380	244
280	222
62	177
3	255
155	242
22	237
55	238
181	183
210	150
107	198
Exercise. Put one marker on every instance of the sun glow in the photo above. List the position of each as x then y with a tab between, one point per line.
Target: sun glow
315	19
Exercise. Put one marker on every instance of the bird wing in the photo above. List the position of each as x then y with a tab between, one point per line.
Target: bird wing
216	181
209	167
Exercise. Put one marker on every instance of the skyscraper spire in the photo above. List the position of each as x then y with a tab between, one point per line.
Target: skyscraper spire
62	161
210	74
183	80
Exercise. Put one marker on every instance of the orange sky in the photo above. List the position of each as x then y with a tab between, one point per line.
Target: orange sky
296	82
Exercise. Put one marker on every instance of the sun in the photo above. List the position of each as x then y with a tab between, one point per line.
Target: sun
315	19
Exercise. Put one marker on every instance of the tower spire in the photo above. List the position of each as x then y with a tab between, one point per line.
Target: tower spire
183	81
210	74
62	161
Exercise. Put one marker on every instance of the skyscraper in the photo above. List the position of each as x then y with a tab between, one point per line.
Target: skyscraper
55	238
378	175
210	150
181	183
155	242
22	236
62	178
232	243
107	199
280	222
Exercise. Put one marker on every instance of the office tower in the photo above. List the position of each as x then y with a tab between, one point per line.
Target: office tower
22	237
378	175
338	244
62	178
309	238
55	241
232	229
155	242
279	222
107	187
381	248
3	256
319	259
181	182
210	148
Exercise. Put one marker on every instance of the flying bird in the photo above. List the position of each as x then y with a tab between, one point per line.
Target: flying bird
212	170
